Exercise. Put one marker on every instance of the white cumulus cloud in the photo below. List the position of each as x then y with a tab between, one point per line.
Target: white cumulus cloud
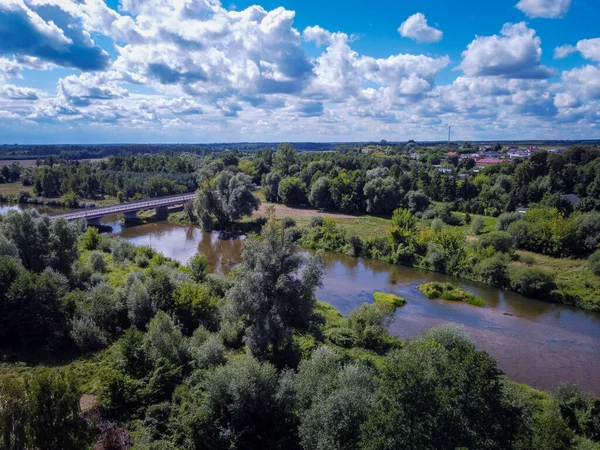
416	27
544	8
515	53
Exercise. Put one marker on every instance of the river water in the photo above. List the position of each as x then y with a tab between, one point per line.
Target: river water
538	343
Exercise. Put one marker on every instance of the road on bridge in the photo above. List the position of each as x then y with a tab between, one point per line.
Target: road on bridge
96	213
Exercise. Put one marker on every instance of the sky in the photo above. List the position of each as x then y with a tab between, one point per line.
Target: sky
201	71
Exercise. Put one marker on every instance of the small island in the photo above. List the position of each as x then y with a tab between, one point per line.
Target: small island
447	291
388	301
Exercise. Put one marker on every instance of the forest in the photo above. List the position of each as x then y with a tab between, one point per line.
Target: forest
110	346
488	225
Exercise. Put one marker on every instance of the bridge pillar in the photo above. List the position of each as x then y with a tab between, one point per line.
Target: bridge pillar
162	212
95	222
131	216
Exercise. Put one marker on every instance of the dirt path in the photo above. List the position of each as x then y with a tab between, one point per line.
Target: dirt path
286	211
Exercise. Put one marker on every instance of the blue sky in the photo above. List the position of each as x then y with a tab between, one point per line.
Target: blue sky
96	71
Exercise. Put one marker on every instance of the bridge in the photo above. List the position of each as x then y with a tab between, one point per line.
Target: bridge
130	210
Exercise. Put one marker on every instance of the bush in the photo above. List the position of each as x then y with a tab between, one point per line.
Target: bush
500	241
493	271
87	335
316	221
437	225
90	238
448	291
96	261
594	262
520	233
288	222
504	220
527	259
532	282
477	225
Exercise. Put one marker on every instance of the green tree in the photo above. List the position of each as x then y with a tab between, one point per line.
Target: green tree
320	196
226	198
285	159
270	295
292	191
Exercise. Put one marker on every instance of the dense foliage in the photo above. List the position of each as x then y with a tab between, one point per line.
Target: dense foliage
250	361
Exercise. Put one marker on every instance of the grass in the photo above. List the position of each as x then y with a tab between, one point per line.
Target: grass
572	276
448	291
388	301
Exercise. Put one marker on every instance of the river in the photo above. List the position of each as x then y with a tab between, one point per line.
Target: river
538	343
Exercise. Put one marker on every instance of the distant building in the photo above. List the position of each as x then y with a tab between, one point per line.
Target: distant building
414	156
485	162
517	154
451	154
559	151
469	155
491	154
573	199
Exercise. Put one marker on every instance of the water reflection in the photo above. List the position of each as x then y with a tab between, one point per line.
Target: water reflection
534	342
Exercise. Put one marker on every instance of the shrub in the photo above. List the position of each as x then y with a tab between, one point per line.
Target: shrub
520	232
594	262
96	261
288	222
527	259
500	241
91	238
493	271
504	220
87	335
477	225
316	221
532	282
437	225
448	291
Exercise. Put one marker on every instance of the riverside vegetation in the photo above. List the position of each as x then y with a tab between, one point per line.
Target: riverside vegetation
465	223
175	358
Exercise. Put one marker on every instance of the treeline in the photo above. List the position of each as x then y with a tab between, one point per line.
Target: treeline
249	361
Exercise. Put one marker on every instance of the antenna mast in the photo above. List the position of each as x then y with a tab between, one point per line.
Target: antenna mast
449	128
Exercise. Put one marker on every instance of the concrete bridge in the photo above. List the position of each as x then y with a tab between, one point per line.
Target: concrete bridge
129	210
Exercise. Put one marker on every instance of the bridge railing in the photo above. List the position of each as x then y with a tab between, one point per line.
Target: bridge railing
125	207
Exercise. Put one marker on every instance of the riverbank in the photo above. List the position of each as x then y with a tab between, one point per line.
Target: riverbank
575	284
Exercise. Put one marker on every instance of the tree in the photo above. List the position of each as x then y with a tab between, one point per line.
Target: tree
320	196
226	198
271	296
240	408
285	158
382	195
53	413
417	201
333	401
428	385
594	262
271	186
292	191
197	266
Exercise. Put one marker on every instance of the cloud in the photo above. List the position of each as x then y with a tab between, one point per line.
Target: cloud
415	27
582	83
515	53
49	33
12	92
317	34
550	9
563	51
589	49
83	89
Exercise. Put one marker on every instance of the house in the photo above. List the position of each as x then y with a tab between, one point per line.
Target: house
485	162
414	156
491	154
573	199
469	155
443	169
518	154
558	151
451	154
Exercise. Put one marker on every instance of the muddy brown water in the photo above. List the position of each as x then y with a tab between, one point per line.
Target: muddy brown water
538	343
